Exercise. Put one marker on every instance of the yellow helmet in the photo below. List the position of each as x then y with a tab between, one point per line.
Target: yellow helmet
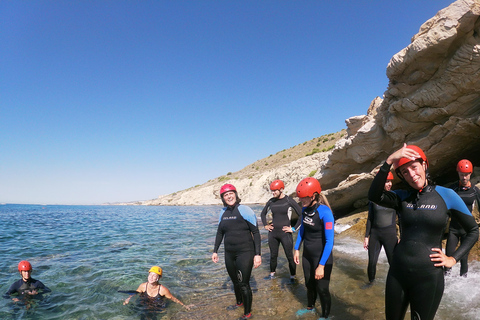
156	269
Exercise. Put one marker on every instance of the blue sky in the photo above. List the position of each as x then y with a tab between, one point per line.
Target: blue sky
108	101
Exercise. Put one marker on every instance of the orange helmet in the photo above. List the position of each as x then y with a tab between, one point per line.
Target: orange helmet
402	161
390	176
464	166
227	187
277	185
308	187
24	266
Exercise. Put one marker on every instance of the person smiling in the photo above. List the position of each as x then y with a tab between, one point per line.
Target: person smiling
415	276
317	234
238	225
26	286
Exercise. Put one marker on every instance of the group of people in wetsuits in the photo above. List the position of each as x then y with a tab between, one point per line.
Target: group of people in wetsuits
417	262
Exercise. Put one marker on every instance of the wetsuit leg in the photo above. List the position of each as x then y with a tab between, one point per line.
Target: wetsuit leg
452	242
309	274
324	292
464	259
273	244
239	267
374	248
396	302
426	294
287	243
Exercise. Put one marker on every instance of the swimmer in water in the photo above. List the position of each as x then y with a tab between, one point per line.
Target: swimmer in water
153	291
26	286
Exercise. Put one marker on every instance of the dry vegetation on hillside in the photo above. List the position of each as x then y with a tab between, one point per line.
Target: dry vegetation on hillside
320	144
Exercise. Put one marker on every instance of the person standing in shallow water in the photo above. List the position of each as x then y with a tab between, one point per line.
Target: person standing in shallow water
280	230
238	225
469	195
381	230
415	276
317	234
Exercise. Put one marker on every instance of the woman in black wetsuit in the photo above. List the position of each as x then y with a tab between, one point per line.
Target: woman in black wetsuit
381	230
153	293
238	225
469	195
317	233
416	276
280	229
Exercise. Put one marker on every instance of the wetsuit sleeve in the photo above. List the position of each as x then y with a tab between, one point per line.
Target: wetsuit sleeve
13	289
460	212
300	235
328	221
477	194
220	234
263	215
43	287
251	219
369	220
377	193
298	210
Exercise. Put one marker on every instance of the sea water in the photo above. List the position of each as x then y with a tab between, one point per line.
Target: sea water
87	254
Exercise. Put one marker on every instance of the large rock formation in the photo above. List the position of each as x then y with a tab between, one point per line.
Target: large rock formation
432	100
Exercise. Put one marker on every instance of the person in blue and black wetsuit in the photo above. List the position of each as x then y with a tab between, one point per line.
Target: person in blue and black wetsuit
381	230
469	195
317	233
415	276
26	286
280	229
238	226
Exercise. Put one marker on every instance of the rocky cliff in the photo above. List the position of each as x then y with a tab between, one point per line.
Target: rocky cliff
432	100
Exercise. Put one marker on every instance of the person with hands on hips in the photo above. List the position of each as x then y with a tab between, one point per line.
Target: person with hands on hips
280	229
317	234
416	276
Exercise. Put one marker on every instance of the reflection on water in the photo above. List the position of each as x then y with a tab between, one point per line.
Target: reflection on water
86	254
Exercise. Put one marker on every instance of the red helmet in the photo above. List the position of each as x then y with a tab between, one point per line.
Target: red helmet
464	166
227	187
24	266
307	187
402	161
277	185
390	176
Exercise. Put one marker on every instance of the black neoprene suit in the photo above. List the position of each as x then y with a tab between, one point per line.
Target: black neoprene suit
238	225
381	230
455	232
412	278
21	287
281	216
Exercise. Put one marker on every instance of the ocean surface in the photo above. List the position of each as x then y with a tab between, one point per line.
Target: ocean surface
87	254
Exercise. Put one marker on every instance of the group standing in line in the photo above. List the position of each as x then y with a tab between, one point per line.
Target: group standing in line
417	262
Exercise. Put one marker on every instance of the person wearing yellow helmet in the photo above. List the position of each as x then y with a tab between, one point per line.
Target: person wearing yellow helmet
154	292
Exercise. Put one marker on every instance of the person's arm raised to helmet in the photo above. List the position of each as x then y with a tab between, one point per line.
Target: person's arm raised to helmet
403	152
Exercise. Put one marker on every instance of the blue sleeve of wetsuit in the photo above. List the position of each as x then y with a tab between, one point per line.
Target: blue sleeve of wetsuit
328	222
263	215
300	235
249	216
460	212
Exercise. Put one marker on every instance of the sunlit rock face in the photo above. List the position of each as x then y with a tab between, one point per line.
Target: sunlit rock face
432	100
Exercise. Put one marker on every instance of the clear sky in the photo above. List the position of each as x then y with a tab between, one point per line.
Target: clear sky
109	101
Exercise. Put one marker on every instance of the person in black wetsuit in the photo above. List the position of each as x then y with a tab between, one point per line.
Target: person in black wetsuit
280	229
381	230
238	225
317	233
416	275
26	286
469	195
153	294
